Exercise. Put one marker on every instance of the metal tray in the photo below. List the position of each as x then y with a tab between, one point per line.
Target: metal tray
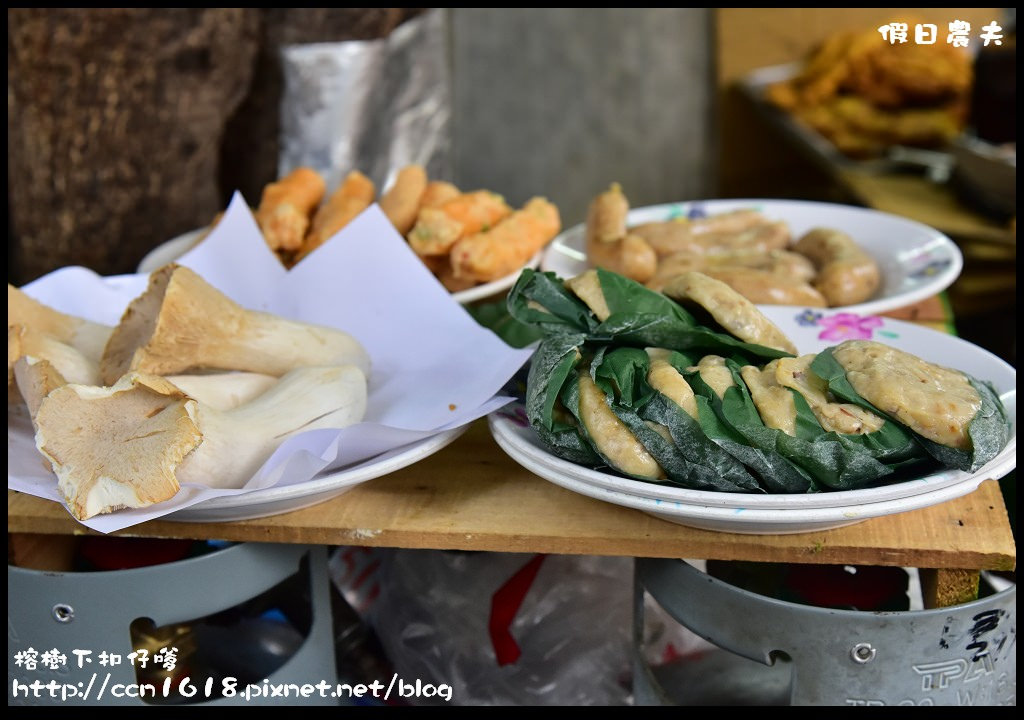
936	165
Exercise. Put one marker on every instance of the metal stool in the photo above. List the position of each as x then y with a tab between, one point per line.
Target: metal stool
959	655
93	611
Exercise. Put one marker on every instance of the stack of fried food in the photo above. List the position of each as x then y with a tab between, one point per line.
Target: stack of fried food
865	94
465	238
754	255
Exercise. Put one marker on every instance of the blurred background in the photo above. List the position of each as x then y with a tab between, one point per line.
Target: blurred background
128	127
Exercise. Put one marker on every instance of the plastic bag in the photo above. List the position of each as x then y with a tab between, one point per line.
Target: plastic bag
508	629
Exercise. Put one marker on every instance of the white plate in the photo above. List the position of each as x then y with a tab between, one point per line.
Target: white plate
276	500
169	251
916	261
178	246
750	513
736	520
479	292
527	445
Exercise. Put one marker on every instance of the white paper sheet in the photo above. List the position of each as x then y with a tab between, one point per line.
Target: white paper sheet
433	367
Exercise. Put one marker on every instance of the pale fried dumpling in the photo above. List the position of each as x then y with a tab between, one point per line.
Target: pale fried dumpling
664	378
731	310
715	373
611	437
774	402
935	402
587	287
845	418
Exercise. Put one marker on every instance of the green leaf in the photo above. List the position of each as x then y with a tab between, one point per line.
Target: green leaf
639	317
669	332
706	465
495	317
552	367
628	297
622	374
542	301
776	473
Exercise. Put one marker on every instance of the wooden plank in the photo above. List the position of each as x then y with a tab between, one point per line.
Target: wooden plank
926	202
41	552
471	496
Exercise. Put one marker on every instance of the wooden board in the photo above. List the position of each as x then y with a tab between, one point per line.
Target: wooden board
926	202
471	496
933	312
948	586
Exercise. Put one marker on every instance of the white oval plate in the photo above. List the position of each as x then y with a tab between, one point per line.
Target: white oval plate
740	520
178	246
811	332
479	292
169	251
916	261
285	498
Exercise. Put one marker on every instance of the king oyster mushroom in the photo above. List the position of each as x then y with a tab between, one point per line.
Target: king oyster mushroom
132	444
87	337
182	323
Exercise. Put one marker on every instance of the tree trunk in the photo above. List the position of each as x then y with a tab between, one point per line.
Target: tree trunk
129	126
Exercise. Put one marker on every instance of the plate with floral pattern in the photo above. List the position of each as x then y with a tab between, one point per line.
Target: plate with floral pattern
916	261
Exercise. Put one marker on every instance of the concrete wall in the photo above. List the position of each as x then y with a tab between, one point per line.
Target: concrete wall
561	102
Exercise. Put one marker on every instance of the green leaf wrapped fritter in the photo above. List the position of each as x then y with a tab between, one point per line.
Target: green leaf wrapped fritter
612	309
773	472
688	457
713	387
885	440
777	419
959	419
553	366
541	300
696	387
610	438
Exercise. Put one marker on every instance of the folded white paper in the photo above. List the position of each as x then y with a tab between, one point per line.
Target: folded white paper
434	368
